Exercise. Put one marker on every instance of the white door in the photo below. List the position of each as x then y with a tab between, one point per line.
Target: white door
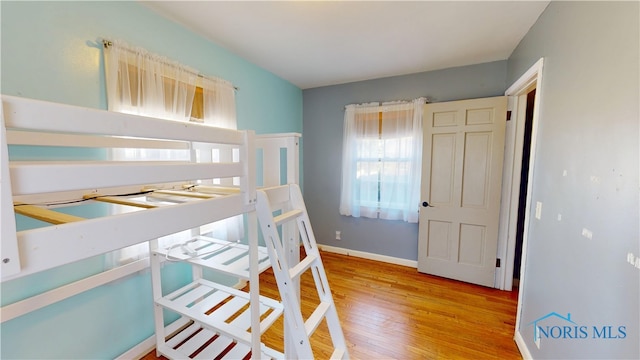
461	185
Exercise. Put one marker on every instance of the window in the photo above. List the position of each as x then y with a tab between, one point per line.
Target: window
382	149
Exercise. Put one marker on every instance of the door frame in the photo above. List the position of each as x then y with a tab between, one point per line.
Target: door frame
517	92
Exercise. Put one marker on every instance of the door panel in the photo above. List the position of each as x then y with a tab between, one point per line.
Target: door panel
475	172
461	182
439	231
443	163
472	244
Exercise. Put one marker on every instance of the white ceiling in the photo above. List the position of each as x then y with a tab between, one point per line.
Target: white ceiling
318	43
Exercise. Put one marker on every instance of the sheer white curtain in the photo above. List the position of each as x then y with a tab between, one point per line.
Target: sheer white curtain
139	82
382	158
360	168
219	109
219	103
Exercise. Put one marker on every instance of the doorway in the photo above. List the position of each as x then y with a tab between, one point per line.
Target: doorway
516	191
524	181
522	103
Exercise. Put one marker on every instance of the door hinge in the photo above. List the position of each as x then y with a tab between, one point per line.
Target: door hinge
508	115
498	262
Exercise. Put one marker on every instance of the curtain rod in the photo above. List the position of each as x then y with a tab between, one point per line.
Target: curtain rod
381	104
107	43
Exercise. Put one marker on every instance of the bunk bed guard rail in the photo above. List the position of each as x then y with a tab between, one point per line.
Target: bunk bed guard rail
23	183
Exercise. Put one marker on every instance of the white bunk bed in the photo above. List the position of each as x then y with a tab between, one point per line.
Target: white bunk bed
172	196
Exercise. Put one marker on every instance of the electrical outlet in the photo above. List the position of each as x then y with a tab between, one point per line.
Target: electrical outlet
338	235
587	233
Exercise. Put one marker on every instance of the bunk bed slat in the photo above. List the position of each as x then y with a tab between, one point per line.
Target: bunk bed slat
228	309
225	255
118	201
208	189
46	215
214	254
196	341
239	351
210	322
190	297
185	194
187	341
243	321
215	348
211	301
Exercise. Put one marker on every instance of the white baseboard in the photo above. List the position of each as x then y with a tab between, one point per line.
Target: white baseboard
370	256
522	346
140	350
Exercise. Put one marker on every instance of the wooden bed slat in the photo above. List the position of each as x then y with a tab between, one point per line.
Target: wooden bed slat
208	189
46	215
185	194
118	201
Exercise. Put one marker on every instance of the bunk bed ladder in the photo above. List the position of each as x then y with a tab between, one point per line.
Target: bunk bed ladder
287	276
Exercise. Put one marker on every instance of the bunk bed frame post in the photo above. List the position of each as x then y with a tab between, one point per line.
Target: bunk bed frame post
272	177
254	287
293	159
290	230
292	143
248	181
194	156
156	288
9	241
248	188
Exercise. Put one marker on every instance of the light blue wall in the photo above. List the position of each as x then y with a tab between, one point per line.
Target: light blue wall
589	118
51	51
323	127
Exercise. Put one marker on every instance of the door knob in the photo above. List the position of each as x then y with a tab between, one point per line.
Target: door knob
426	204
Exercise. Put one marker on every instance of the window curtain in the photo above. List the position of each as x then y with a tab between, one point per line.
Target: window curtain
359	191
139	82
382	158
142	83
219	109
219	103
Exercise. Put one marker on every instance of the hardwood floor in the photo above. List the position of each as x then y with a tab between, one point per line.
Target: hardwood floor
393	312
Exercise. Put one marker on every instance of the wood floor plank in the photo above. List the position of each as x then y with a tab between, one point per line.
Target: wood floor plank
393	312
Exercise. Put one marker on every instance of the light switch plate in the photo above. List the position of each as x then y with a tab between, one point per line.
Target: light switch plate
538	210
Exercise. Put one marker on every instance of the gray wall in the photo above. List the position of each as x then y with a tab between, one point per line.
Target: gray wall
589	127
323	115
